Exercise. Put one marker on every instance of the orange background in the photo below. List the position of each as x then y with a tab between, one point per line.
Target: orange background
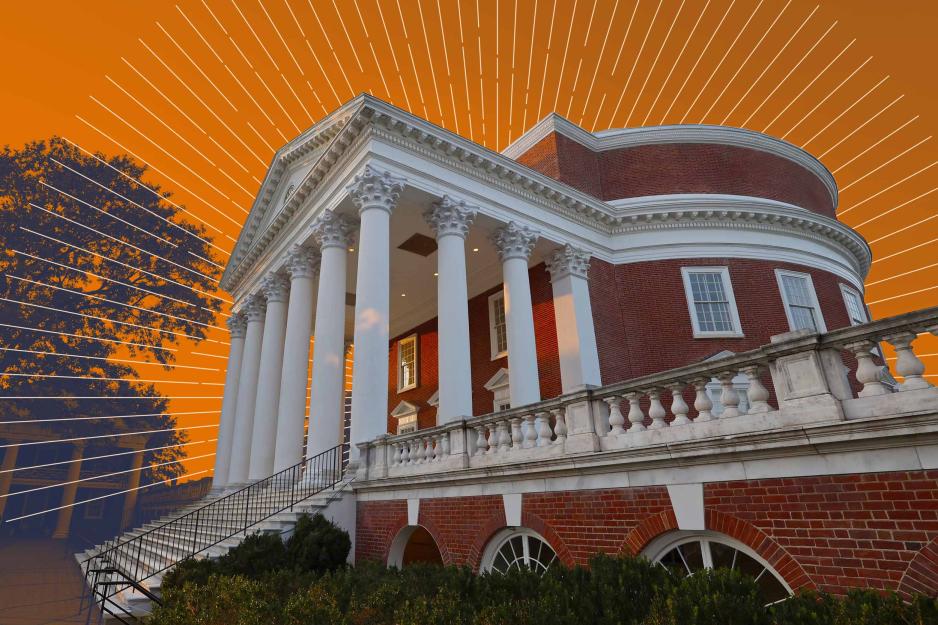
205	92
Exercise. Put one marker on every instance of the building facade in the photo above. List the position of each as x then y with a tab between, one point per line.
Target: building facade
649	341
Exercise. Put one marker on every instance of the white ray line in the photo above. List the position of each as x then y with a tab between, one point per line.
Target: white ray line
875	144
100	277
722	59
511	87
916	292
893	209
697	62
654	63
123	264
110	301
426	42
108	360
397	67
790	72
257	104
105	475
873	171
498	90
348	38
749	56
573	89
77	503
880	192
119	434
338	62
153	192
826	97
615	65
261	137
253	32
845	111
676	61
148	164
769	65
634	63
164	96
115	239
852	132
111	215
137	397
90	338
199	33
203	259
904	273
276	100
599	58
808	86
222	357
114	455
465	69
303	106
371	46
481	81
908	249
197	67
92	378
563	59
282	40
550	40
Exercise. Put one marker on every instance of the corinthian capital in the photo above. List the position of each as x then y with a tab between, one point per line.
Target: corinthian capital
374	188
450	216
237	325
255	308
303	261
332	230
514	241
276	287
568	261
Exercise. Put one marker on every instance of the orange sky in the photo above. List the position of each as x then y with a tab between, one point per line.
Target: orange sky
205	91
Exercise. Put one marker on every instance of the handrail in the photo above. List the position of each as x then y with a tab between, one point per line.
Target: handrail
196	531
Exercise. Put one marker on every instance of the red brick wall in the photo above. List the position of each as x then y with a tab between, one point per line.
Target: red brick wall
643	324
678	168
876	530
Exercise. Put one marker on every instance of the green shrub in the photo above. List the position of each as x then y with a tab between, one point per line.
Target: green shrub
256	555
222	600
710	597
318	545
314	606
858	607
189	571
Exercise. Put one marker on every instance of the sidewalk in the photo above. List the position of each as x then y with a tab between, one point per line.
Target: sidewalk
40	583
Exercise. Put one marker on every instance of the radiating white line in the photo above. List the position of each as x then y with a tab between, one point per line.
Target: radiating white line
826	97
465	69
426	42
916	292
302	105
676	60
397	67
873	171
90	338
875	144
371	46
338	62
164	96
511	87
197	67
722	59
845	111
221	356
550	40
100	457
790	72
769	65
282	40
808	86
92	378
904	273
880	192
893	209
276	100
635	62
119	434
655	62
563	59
908	249
137	397
253	32
599	57
77	503
854	131
105	359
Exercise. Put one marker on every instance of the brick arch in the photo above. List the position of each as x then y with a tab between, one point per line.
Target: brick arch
644	532
921	576
401	523
530	521
436	535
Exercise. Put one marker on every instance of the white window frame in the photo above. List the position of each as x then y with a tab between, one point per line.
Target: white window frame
779	273
493	335
730	298
496	542
847	292
407	339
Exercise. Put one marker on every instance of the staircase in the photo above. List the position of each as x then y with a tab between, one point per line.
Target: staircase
124	575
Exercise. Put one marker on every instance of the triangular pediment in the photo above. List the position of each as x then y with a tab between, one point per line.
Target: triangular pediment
499	380
404	409
434	399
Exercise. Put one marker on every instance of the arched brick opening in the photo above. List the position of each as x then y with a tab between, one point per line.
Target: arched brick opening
435	533
401	524
921	576
644	532
528	520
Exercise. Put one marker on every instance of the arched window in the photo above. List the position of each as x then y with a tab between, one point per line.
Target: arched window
516	548
685	553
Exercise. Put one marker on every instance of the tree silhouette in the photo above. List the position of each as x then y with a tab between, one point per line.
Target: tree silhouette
96	267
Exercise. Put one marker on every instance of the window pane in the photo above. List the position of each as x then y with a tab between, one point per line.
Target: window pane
854	308
710	302
803	318
407	350
796	290
499	325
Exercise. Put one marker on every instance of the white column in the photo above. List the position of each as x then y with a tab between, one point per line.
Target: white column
237	326
450	220
247	392
375	194
573	314
70	489
333	232
514	244
276	288
303	265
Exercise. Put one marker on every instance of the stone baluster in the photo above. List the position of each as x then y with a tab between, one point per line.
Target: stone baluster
729	397
758	394
517	438
405	452
656	410
702	403
636	416
480	440
679	407
908	365
395	451
542	426
868	371
493	438
616	420
530	433
560	425
433	453
444	444
504	436
417	451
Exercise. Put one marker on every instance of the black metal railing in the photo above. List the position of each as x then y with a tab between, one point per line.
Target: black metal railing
123	564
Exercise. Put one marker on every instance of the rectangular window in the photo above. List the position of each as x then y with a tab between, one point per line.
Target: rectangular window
498	328
407	363
854	303
801	304
711	302
407	423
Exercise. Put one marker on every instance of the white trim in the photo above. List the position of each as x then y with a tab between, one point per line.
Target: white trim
412	338
687	501
846	292
779	273
500	538
493	337
724	273
413	511
512	503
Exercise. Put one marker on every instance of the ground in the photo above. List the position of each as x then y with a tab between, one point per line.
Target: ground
40	583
